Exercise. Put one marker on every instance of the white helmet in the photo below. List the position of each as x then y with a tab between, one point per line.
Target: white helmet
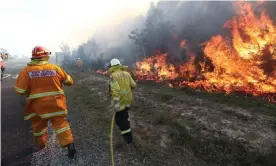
115	62
78	58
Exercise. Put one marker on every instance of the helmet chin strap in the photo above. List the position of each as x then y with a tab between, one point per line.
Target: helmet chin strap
46	58
113	65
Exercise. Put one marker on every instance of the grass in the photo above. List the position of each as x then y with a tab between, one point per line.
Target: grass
212	150
74	91
254	103
247	102
86	103
185	135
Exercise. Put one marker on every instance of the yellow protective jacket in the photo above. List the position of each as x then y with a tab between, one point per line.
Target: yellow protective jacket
41	82
120	86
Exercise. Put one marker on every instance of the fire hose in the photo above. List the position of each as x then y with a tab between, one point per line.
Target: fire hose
111	132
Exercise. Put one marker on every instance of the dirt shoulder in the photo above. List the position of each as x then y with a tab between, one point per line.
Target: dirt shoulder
170	127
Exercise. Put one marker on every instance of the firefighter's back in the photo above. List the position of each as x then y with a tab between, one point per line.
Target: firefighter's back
124	80
44	88
42	82
44	78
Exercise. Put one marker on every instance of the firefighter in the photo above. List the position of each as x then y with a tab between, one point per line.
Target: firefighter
120	87
2	64
41	82
79	64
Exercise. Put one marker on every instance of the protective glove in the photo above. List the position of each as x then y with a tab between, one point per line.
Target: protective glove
116	106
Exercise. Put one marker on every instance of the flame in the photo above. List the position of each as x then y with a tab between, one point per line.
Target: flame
237	62
183	44
188	69
102	72
243	62
156	68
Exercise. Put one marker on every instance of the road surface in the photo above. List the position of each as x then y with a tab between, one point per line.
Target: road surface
16	137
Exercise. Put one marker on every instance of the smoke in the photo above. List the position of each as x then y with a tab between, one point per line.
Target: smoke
109	41
161	29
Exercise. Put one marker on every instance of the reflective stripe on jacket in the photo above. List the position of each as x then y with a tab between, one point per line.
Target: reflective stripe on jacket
41	82
121	85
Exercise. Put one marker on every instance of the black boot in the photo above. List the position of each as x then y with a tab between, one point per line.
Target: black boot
71	151
37	148
119	144
128	137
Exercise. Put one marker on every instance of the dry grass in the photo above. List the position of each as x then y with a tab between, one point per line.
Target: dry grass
176	127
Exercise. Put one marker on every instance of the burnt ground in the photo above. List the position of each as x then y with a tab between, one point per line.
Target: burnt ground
170	127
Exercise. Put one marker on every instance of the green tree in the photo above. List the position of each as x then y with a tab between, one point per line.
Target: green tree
155	36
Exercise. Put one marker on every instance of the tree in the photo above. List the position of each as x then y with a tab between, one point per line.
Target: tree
4	54
91	49
65	48
74	53
81	52
140	39
158	30
156	35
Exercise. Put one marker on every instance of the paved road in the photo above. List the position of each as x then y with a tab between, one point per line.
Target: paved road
16	137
